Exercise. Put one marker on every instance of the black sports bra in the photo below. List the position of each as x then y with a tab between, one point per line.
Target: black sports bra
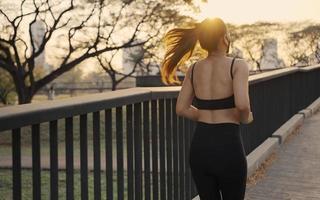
222	103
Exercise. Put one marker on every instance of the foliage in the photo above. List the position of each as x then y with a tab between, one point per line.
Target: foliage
7	94
304	43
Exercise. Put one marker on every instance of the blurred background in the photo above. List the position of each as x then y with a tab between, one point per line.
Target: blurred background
57	49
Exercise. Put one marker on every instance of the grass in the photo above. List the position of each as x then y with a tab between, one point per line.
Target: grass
6	185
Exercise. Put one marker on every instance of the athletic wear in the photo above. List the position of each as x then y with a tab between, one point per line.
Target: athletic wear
218	161
217	157
222	103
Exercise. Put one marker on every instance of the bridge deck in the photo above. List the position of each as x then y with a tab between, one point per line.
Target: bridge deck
295	171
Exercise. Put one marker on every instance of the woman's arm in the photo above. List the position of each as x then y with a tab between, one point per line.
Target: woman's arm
191	113
184	101
241	91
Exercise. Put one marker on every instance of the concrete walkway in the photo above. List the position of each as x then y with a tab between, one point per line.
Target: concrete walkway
295	172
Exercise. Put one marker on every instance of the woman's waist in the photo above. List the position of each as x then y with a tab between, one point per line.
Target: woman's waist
218	123
218	131
218	116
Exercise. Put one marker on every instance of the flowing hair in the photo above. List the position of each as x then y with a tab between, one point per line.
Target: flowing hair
180	44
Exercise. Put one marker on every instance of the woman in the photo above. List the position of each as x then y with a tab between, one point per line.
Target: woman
218	84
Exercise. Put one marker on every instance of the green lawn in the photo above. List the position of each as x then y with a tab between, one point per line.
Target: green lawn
6	185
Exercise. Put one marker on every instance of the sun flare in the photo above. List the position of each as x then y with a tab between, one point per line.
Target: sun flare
250	11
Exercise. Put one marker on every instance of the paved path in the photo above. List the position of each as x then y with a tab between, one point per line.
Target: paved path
295	172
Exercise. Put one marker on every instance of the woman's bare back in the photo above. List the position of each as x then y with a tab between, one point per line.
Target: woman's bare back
212	80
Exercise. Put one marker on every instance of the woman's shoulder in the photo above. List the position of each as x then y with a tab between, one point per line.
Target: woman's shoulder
238	60
235	57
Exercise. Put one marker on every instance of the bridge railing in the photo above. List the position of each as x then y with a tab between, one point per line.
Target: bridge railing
130	144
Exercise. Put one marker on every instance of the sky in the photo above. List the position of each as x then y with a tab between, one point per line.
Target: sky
250	11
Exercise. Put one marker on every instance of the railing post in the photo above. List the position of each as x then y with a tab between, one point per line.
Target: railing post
154	131
54	191
109	157
162	151
146	149
119	138
16	163
96	155
84	156
137	151
69	157
168	131
130	153
176	188
36	170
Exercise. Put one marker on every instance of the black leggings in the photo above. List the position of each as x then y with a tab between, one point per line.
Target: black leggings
218	161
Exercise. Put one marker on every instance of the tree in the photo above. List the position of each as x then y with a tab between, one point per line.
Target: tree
304	43
20	64
250	38
159	17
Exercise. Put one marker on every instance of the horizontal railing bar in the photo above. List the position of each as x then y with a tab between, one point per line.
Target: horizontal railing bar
25	114
12	117
256	78
309	68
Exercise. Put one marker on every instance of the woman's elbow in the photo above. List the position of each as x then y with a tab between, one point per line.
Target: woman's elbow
243	108
179	111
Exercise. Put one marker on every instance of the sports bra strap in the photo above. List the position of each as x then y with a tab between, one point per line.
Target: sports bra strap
232	67
192	74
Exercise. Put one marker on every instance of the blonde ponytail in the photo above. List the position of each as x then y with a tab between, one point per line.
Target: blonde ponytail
180	43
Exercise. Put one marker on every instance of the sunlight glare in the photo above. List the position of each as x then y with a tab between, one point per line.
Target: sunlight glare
250	11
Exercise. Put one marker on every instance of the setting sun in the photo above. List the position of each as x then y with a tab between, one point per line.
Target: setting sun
249	11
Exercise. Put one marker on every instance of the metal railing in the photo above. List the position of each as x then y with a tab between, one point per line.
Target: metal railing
139	145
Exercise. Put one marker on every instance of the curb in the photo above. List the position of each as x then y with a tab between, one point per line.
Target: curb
287	128
315	106
260	154
306	112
